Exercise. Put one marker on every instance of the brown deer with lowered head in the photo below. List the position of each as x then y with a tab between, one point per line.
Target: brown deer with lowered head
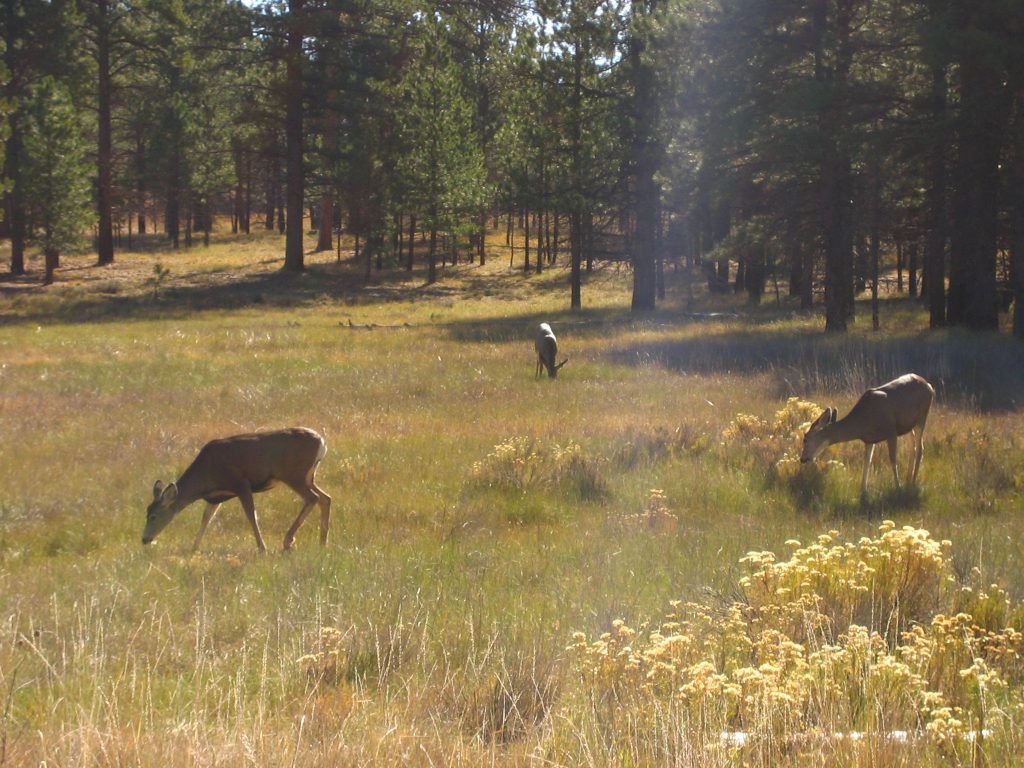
547	347
240	466
882	414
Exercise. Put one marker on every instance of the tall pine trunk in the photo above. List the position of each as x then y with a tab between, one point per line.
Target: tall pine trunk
16	213
935	204
975	215
576	181
432	253
293	255
1017	201
140	182
105	155
835	163
412	242
645	164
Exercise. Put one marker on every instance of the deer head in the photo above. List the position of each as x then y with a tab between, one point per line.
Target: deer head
816	438
160	511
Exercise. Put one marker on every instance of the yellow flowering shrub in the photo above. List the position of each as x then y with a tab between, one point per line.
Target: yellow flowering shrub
890	580
775	445
523	464
848	638
656	516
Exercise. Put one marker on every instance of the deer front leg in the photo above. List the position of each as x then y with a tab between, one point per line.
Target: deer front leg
245	497
892	459
307	505
869	452
208	513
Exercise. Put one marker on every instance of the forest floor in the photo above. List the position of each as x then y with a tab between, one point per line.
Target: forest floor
519	571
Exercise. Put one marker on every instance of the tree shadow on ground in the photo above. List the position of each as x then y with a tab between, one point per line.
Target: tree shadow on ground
101	298
982	371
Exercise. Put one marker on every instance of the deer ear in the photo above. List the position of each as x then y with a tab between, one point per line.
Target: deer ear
158	488
821	421
832	415
170	493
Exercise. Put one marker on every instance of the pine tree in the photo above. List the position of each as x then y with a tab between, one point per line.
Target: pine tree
56	174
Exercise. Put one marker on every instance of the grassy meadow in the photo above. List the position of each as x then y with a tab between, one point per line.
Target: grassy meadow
520	572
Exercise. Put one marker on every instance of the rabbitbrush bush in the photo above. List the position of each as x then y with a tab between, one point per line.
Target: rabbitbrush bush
839	639
773	446
524	464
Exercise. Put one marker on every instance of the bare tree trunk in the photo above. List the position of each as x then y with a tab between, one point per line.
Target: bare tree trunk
912	285
646	190
247	199
554	239
16	214
481	251
975	211
899	265
1017	200
52	257
526	241
432	252
835	165
293	252
140	183
540	241
273	182
104	182
412	242
935	206
324	240
874	235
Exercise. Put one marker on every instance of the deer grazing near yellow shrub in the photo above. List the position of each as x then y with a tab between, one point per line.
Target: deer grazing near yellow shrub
881	415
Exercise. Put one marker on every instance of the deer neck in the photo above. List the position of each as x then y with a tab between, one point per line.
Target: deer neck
842	431
190	488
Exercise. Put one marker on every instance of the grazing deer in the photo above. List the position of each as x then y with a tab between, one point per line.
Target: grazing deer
547	347
882	414
240	466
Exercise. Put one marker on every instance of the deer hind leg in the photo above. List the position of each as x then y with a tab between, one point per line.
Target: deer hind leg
892	459
311	496
918	450
869	452
918	455
208	513
325	513
245	497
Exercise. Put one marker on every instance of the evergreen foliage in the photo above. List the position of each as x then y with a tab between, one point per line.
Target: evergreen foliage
846	132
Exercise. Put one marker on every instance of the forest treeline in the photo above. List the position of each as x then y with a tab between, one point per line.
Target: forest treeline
807	143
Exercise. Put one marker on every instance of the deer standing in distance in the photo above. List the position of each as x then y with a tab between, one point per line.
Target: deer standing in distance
547	347
881	414
240	466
